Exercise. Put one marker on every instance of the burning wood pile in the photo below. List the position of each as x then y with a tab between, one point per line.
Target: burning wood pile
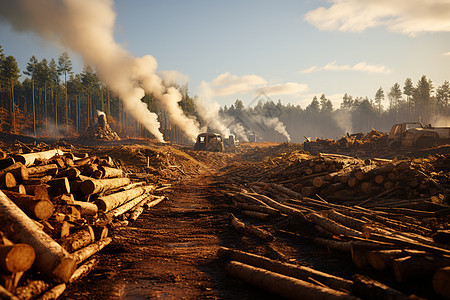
390	216
358	143
56	209
101	130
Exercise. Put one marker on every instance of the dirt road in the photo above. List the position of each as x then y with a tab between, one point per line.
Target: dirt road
169	252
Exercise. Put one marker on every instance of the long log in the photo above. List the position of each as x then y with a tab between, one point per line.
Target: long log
129	205
6	162
79	239
51	258
367	288
16	258
109	172
299	272
18	170
83	270
43	169
34	208
54	292
285	286
29	158
332	226
90	250
86	208
94	186
441	282
109	202
240	227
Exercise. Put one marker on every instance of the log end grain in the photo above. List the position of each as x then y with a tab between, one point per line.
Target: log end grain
16	258
64	269
43	209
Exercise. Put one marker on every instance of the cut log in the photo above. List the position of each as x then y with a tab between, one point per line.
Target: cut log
37	181
29	158
34	208
109	172
441	282
7	180
415	267
367	288
86	208
255	215
59	186
50	169
94	186
31	289
51	258
332	226
299	272
240	227
79	239
73	173
18	170
288	287
19	189
107	203
16	258
83	270
129	205
334	244
258	208
86	252
54	292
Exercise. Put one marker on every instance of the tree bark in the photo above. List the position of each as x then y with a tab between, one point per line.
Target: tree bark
90	250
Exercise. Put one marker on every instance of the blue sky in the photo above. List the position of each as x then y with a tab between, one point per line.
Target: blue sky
292	50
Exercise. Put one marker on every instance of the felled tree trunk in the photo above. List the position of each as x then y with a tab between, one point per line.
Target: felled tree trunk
16	258
51	258
288	287
34	208
94	186
107	203
29	158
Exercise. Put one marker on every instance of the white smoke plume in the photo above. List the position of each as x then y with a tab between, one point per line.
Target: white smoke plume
87	27
209	110
344	120
273	123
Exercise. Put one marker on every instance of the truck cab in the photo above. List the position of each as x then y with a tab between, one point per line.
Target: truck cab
209	141
414	134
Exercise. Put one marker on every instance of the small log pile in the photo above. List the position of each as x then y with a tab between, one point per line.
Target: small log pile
358	144
387	215
101	130
56	209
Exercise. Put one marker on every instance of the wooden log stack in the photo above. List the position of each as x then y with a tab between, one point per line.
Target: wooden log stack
49	216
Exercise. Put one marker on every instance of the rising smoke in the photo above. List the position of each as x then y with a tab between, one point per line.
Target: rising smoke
87	27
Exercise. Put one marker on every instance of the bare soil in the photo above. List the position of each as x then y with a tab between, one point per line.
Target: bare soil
170	252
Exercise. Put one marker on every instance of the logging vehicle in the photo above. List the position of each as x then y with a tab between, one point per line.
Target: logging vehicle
209	141
415	134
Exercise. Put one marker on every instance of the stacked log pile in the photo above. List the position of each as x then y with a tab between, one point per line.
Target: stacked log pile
389	215
101	130
360	144
56	209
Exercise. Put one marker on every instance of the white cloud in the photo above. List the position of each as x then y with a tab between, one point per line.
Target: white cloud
361	67
404	16
228	84
446	54
289	88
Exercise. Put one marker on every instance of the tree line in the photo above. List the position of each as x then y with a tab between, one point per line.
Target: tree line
49	99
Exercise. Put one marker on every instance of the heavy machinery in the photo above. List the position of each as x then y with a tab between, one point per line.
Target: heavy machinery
414	134
209	141
231	143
